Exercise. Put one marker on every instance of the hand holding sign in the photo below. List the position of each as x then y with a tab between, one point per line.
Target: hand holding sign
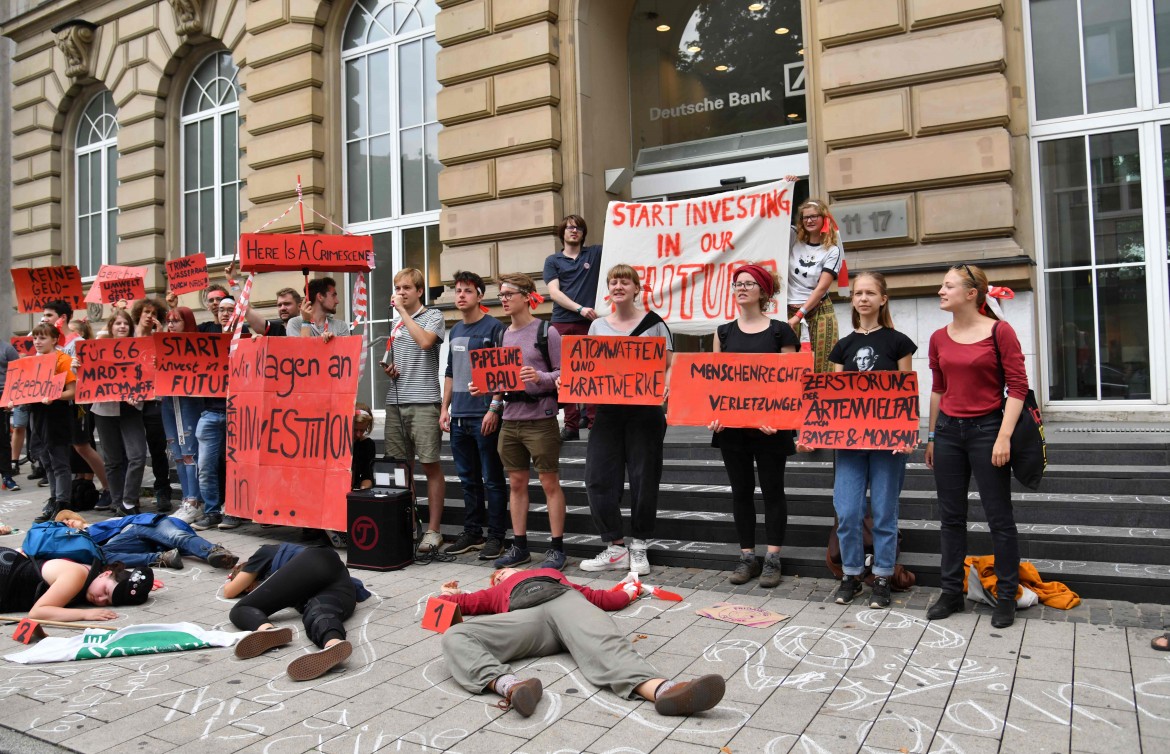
38	286
273	252
496	370
191	364
187	274
115	369
100	293
611	370
757	390
860	410
33	380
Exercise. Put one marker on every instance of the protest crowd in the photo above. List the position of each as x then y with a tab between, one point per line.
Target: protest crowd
150	386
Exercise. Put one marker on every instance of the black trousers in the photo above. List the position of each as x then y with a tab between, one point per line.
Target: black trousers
156	443
316	583
5	442
625	438
48	443
743	459
962	448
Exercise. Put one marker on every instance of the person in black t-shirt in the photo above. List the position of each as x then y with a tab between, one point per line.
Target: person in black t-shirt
766	450
874	344
364	450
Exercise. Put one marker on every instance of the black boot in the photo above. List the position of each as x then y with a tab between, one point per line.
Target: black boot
946	604
1004	614
49	512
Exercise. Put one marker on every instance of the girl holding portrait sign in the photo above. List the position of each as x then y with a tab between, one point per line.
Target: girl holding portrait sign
764	449
874	344
628	437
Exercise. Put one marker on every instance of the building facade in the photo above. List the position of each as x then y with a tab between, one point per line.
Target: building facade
1024	135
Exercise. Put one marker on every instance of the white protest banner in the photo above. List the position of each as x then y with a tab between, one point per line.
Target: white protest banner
687	251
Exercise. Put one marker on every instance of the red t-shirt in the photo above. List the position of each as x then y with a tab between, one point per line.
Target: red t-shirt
967	375
495	600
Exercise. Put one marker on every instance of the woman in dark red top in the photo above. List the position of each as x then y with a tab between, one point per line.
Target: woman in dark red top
970	433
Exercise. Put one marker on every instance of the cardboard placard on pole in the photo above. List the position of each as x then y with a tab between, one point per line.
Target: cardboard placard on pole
115	369
187	274
273	252
860	410
37	286
621	370
32	380
496	370
738	389
191	364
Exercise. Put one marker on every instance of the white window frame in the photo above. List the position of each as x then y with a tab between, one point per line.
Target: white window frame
1147	119
102	147
216	254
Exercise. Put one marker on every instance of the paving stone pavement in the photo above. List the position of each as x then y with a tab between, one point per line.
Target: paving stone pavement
830	678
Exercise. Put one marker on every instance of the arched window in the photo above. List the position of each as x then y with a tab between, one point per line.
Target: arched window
97	184
209	142
390	130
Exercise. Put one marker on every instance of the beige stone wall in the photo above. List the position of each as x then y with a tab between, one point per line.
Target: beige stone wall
923	102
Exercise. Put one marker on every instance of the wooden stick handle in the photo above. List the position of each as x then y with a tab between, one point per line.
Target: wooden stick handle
58	623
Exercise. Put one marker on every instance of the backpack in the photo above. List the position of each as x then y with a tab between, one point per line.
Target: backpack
902	579
541	345
53	539
83	496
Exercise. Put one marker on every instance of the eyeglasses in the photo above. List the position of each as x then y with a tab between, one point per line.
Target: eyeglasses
569	228
505	296
806	218
746	285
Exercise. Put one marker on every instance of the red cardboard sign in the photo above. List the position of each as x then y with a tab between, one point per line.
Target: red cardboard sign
110	272
440	615
187	274
738	389
115	369
191	364
37	286
290	429
496	370
860	410
623	370
271	252
126	289
32	380
28	631
24	345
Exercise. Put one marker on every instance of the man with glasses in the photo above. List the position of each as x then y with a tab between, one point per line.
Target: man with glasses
571	276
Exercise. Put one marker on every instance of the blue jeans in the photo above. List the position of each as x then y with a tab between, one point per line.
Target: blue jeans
480	474
140	544
962	448
189	409
881	472
211	433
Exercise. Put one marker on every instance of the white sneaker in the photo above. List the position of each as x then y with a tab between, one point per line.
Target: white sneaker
639	563
612	558
189	512
431	542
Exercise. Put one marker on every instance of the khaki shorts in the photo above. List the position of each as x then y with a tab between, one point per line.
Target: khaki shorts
538	441
423	436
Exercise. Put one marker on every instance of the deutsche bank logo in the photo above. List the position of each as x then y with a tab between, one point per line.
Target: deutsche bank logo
793	79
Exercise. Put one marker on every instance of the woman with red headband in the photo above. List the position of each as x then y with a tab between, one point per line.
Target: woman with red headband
764	449
815	259
971	427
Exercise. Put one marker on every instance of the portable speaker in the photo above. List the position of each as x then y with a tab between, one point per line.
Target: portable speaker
381	529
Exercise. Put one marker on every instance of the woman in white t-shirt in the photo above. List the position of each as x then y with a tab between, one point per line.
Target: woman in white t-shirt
815	259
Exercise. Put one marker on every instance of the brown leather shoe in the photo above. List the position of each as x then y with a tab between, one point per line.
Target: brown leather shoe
698	695
525	695
259	642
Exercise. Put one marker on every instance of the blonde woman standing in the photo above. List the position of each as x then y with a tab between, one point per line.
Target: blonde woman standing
815	259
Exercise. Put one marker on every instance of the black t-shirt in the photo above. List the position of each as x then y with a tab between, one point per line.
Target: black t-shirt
364	453
877	351
261	561
733	340
275	328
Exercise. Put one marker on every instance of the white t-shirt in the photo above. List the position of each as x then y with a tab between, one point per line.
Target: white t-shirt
805	265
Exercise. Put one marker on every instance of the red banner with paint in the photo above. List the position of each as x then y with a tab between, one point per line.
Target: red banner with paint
187	274
115	369
273	252
621	370
32	380
191	364
860	410
738	389
496	370
290	430
37	286
107	285
24	345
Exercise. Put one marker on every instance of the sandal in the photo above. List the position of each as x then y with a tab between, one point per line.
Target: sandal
1164	646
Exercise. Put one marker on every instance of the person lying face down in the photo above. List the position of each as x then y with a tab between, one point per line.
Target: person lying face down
538	613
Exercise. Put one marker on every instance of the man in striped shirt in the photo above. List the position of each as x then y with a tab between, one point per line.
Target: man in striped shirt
413	400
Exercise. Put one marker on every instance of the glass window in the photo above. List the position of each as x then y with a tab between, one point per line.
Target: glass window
391	124
95	173
1095	267
1082	57
707	68
209	142
1162	41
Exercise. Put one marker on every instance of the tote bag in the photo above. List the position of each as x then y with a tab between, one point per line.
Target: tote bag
1029	455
